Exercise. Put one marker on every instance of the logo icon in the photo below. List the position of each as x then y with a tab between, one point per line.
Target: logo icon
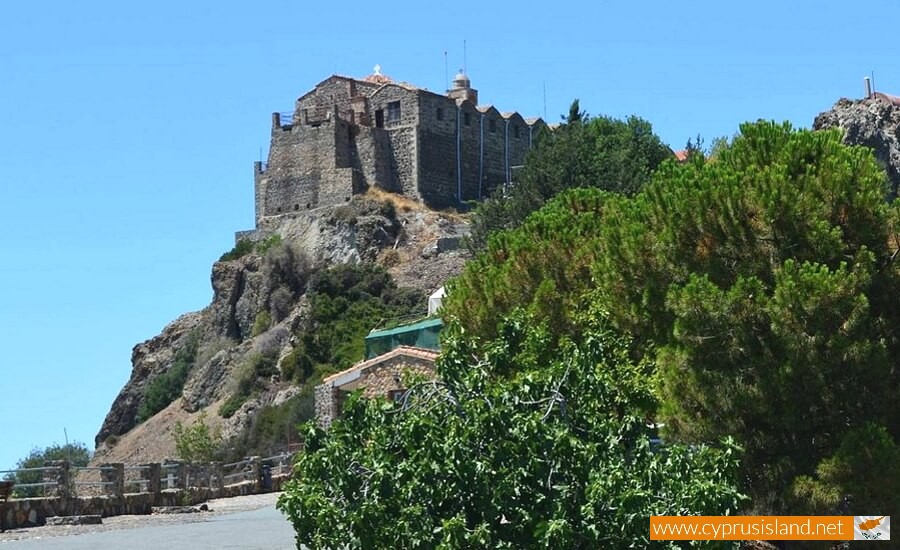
871	527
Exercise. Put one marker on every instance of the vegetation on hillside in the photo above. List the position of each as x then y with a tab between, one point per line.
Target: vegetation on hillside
273	429
346	302
168	385
244	247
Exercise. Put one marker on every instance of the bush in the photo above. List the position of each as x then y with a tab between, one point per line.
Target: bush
388	209
285	265
390	258
245	246
261	324
251	377
197	442
167	386
232	404
280	303
268	243
241	249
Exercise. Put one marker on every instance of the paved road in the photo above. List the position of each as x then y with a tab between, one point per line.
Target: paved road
264	528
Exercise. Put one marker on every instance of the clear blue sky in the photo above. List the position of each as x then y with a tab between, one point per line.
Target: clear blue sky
128	133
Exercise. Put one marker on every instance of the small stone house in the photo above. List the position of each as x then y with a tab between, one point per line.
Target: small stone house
380	376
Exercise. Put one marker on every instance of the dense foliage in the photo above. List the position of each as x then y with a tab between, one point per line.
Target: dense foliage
168	385
763	283
601	152
511	450
543	266
346	302
76	453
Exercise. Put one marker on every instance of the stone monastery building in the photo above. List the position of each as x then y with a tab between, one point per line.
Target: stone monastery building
345	135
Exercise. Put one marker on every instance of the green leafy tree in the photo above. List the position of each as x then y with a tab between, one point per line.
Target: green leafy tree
543	266
76	453
556	455
601	152
197	442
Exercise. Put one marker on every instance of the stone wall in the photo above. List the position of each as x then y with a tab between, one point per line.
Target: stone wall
327	404
389	375
195	483
377	378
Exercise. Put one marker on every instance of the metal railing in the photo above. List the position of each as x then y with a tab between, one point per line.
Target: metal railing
12	475
91	482
141	482
286	118
168	480
78	481
239	472
280	463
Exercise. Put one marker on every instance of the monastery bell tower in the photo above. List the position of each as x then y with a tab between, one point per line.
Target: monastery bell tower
462	89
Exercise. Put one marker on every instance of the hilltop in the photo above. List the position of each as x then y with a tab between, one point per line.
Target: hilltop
270	282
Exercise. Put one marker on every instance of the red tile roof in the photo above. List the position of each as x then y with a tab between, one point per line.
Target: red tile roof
892	99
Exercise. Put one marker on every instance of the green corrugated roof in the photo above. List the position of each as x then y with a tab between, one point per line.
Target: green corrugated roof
427	323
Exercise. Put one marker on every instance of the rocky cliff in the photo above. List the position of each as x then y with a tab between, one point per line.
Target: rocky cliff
874	123
402	236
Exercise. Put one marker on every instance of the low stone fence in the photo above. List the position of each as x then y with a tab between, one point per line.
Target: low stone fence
105	490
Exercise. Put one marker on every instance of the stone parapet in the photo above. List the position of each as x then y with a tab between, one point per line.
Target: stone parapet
208	484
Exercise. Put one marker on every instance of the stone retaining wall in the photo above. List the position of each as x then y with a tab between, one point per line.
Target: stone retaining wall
196	483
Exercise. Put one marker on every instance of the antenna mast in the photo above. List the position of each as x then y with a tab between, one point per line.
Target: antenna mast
465	66
446	73
544	83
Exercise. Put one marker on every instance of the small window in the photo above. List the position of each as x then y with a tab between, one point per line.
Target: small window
516	130
492	125
440	113
467	119
379	118
393	112
396	395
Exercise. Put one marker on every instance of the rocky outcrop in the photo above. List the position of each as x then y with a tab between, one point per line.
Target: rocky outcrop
874	123
148	359
275	282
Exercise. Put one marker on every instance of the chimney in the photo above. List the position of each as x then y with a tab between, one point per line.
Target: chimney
868	87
